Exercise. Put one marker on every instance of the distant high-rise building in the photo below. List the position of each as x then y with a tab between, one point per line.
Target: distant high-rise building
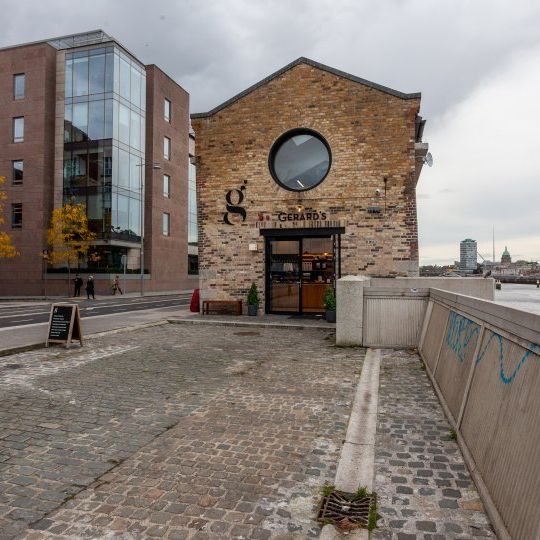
467	256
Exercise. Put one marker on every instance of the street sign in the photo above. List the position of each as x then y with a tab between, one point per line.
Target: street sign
64	324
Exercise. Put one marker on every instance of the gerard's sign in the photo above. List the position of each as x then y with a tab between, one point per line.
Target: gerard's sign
304	215
308	215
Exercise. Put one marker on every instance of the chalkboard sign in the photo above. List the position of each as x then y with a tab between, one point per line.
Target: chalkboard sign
64	324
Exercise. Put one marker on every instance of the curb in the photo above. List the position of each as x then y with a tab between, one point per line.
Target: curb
356	466
252	324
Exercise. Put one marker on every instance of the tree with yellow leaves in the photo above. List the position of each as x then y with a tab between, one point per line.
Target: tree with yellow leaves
7	249
68	236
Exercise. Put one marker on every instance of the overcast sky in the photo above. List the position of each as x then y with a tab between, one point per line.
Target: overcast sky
477	64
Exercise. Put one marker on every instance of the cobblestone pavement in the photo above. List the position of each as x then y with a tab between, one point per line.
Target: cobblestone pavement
424	488
173	431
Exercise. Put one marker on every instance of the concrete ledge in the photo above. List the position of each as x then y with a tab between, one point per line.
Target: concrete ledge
356	465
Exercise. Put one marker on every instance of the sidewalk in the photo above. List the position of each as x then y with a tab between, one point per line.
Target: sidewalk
424	488
33	335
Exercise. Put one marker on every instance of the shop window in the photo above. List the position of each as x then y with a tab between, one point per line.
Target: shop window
300	160
18	85
16	216
18	166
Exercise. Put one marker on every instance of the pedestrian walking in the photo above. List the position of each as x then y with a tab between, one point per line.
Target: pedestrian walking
116	285
90	287
78	284
538	283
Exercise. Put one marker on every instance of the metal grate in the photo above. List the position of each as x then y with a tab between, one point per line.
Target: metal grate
247	333
346	511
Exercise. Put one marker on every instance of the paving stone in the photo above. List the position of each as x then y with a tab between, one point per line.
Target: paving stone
175	432
425	492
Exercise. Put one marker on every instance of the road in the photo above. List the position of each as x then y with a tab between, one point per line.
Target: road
19	314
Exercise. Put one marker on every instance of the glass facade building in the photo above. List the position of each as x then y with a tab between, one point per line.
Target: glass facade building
104	143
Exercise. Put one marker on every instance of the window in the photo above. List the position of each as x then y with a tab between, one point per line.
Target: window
17	171
16	216
166	186
18	129
166	224
300	160
18	86
167	111
166	148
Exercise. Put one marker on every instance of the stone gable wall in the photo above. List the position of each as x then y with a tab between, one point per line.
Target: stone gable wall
371	136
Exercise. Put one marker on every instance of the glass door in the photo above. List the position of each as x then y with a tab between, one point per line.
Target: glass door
283	276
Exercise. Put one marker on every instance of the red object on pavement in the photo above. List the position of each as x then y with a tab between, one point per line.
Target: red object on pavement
194	306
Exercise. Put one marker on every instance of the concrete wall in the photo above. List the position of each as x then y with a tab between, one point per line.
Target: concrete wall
477	287
388	312
484	361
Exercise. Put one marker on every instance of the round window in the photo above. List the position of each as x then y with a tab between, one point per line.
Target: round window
300	159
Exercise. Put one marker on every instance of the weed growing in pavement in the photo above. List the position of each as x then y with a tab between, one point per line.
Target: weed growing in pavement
327	490
452	434
372	517
362	493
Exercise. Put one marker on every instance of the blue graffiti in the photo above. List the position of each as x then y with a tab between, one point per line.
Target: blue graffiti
459	334
507	379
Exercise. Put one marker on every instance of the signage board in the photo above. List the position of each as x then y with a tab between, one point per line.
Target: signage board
64	324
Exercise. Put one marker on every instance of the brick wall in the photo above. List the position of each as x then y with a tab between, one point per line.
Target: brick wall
372	137
22	275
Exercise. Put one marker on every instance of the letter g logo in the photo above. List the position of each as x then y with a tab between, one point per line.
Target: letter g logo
233	207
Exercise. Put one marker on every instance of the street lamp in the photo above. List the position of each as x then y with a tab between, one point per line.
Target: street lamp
155	166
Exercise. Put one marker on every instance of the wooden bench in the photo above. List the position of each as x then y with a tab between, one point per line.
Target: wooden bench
222	307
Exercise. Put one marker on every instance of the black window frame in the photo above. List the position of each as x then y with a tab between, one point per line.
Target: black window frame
284	137
15	182
16	209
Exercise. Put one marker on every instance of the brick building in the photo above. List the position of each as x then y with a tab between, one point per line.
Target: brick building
306	176
83	120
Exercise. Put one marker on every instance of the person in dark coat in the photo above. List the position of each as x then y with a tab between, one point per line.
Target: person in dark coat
90	287
78	284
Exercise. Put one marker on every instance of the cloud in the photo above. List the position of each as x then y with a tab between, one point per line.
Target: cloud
487	166
476	64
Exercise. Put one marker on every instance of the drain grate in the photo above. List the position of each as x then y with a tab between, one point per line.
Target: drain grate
13	366
247	333
347	511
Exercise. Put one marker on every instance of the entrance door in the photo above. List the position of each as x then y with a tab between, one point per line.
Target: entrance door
299	270
283	276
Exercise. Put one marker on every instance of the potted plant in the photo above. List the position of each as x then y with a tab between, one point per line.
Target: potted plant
330	305
253	300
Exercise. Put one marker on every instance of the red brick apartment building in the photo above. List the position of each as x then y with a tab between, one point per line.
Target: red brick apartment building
82	119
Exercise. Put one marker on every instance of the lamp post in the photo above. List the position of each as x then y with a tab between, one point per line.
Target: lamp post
155	166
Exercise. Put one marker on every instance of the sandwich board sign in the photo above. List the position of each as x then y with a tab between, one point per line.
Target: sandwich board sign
64	324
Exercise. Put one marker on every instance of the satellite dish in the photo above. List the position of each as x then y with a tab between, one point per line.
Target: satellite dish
428	159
